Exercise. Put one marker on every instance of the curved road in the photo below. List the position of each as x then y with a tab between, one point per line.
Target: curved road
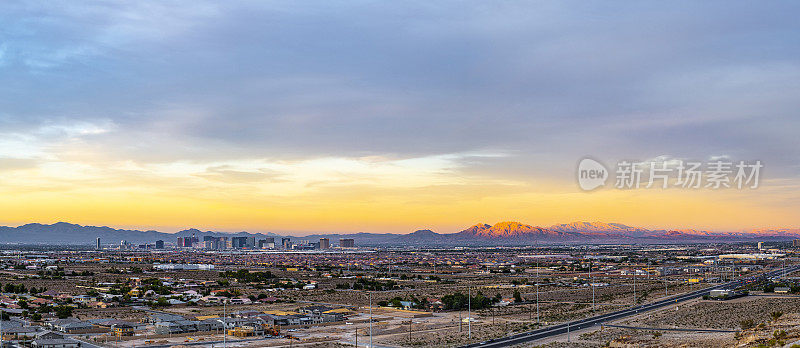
592	321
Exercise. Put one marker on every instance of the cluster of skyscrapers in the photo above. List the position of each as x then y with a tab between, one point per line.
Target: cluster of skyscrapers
187	242
125	245
251	243
240	243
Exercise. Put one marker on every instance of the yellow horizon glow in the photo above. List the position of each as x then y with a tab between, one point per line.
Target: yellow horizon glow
369	194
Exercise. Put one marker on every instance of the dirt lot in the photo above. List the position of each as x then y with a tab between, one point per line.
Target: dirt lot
721	314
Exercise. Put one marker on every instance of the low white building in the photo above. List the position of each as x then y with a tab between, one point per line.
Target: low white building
184	267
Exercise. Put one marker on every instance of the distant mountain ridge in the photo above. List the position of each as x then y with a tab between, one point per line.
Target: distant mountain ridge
509	231
67	233
501	233
600	227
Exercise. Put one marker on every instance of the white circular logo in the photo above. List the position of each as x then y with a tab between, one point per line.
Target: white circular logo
591	174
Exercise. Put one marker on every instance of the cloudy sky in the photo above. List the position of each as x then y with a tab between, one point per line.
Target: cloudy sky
391	116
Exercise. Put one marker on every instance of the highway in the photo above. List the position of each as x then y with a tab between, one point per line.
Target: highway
575	325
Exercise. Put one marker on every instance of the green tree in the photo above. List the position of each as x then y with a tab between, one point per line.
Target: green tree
161	302
396	303
63	312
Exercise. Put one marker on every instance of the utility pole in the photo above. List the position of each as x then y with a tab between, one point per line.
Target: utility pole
409	330
725	276
469	313
591	283
356	337
537	292
784	267
225	325
634	287
370	319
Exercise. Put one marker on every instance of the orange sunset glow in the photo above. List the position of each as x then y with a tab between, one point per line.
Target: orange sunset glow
373	121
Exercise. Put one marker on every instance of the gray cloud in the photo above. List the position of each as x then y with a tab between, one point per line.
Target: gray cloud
17	163
550	81
227	174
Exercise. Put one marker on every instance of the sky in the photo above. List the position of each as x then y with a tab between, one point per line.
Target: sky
363	116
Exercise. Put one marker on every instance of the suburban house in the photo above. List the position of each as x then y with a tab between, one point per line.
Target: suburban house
56	343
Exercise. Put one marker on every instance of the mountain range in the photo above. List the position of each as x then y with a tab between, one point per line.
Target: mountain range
502	233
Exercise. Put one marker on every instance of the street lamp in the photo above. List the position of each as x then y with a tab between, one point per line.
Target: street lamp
568	334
